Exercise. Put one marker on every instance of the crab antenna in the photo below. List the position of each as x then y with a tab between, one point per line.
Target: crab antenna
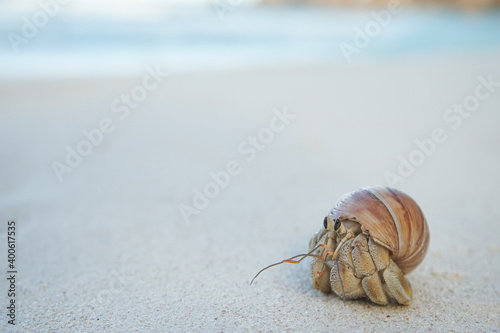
326	256
340	279
334	256
338	270
323	264
290	260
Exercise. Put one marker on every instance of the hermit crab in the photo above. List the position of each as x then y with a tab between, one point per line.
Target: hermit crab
370	240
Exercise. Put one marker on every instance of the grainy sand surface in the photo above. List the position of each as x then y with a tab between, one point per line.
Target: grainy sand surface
107	248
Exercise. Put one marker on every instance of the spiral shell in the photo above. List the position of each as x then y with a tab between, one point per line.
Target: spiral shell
392	219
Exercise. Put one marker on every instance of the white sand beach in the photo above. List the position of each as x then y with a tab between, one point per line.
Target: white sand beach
107	249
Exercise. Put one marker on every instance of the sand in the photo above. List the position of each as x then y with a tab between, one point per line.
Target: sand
107	249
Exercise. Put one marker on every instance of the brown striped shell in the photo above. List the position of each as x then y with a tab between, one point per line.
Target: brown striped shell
392	219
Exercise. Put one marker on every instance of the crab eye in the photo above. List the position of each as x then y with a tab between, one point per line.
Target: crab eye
337	224
325	222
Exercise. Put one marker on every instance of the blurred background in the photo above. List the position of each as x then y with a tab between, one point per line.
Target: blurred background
86	38
115	116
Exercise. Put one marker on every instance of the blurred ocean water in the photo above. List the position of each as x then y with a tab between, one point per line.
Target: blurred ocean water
208	37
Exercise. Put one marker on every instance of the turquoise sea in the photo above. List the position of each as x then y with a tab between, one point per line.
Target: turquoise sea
203	38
